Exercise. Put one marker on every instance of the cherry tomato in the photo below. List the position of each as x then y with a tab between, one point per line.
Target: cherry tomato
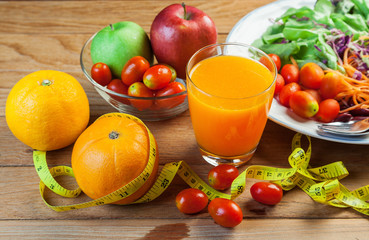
286	92
290	73
332	84
276	60
172	88
311	75
266	193
100	72
118	86
138	89
279	84
225	212
303	104
174	73
328	110
157	77
222	176
315	94
267	63
191	200
134	70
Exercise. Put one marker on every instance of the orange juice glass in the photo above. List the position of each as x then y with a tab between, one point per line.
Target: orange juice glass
230	91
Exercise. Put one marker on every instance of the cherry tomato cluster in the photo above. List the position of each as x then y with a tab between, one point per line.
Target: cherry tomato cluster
139	79
225	212
309	92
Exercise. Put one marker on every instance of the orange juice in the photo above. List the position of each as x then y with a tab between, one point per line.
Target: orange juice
229	99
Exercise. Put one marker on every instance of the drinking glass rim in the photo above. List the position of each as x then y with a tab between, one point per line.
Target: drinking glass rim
230	44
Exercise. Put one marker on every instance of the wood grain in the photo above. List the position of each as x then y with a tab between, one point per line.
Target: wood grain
255	229
37	35
88	17
16	194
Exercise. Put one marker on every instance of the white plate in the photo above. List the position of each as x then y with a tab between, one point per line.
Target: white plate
250	28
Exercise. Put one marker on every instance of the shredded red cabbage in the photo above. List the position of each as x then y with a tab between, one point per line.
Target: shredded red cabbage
339	42
317	48
357	75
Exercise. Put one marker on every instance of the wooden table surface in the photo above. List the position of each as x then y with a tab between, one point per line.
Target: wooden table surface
37	35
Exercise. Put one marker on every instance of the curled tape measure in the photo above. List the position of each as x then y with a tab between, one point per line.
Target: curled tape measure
328	190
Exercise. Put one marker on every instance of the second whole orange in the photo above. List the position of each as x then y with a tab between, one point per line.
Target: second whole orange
111	153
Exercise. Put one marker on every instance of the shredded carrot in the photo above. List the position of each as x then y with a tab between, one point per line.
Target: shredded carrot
356	91
294	62
345	56
354	107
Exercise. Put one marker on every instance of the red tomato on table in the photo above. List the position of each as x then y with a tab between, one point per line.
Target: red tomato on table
266	193
225	212
222	176
100	72
191	200
170	89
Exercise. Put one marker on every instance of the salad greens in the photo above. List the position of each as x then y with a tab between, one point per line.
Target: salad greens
317	35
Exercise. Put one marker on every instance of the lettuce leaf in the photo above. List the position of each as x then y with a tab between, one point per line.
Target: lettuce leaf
300	32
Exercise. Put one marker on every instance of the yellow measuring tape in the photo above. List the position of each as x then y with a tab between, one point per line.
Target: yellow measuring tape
328	190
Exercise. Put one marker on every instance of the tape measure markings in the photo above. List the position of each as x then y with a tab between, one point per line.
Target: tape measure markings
362	193
161	184
328	191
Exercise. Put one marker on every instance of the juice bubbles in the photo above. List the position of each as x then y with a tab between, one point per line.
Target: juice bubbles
229	100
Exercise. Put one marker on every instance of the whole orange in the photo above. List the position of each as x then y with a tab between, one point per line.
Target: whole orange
47	110
110	153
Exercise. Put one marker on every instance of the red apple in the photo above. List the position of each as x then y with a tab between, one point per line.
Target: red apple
177	32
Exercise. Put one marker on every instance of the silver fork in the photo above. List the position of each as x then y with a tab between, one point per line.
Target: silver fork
351	128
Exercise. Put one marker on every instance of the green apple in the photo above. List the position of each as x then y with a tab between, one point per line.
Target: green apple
115	44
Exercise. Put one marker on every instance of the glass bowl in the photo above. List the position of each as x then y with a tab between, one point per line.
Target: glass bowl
161	108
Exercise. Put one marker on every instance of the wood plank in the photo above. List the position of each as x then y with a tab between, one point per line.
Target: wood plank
277	229
37	35
21	197
75	17
27	53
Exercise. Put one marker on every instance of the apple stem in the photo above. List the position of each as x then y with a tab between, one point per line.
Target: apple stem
184	11
111	26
